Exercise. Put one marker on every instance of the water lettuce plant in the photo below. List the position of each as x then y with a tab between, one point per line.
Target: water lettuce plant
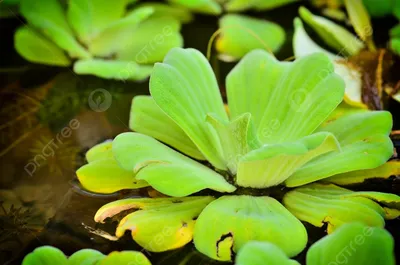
48	255
351	244
240	34
101	38
364	69
252	170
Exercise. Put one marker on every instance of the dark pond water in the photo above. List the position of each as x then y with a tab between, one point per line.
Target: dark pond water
38	103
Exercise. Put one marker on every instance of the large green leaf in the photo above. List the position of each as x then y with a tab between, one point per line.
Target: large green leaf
203	6
174	223
365	144
185	88
147	118
151	41
85	257
45	256
88	18
391	168
112	69
229	222
242	34
114	37
286	100
106	176
38	49
261	253
379	8
334	35
328	204
49	18
125	258
163	168
272	164
353	244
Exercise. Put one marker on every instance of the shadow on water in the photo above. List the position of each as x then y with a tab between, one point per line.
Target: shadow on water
51	117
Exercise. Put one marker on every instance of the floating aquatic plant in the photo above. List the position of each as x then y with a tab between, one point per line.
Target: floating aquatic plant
241	34
47	255
351	244
365	70
281	137
102	38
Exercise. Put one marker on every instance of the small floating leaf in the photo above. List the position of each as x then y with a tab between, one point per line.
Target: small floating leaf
125	258
85	257
45	256
353	244
261	253
38	49
241	34
229	222
334	35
